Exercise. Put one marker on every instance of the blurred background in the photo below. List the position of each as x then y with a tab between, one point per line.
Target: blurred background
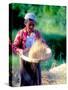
51	22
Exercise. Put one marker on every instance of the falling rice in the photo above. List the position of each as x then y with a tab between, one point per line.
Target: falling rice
38	50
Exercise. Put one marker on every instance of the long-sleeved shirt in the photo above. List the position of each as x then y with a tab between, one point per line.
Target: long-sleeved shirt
20	39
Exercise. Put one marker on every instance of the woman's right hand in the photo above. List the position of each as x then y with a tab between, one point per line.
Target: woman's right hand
19	51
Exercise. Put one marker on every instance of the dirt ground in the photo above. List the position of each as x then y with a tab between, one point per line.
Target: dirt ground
56	75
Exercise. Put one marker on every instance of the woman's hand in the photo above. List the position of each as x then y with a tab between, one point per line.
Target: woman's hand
19	51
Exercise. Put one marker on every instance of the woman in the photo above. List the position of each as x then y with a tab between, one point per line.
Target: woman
29	76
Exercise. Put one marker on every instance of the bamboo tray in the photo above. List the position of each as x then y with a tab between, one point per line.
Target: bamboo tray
36	60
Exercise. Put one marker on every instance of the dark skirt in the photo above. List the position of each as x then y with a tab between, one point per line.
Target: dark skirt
30	74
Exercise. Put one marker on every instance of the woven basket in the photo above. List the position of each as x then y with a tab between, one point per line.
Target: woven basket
36	60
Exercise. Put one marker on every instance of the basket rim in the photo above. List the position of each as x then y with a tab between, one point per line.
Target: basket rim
34	60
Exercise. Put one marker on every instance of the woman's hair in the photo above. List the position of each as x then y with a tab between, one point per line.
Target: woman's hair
26	20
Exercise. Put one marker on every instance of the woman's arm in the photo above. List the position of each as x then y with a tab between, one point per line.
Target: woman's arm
16	44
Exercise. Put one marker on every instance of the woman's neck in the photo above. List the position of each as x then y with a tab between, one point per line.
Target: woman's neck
28	31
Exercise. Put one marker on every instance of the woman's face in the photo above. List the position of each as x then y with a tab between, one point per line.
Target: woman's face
30	25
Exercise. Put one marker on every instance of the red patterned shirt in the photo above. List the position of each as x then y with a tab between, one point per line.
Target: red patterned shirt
20	39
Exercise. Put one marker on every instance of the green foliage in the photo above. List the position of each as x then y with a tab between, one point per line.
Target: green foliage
46	65
14	61
49	18
14	32
51	22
